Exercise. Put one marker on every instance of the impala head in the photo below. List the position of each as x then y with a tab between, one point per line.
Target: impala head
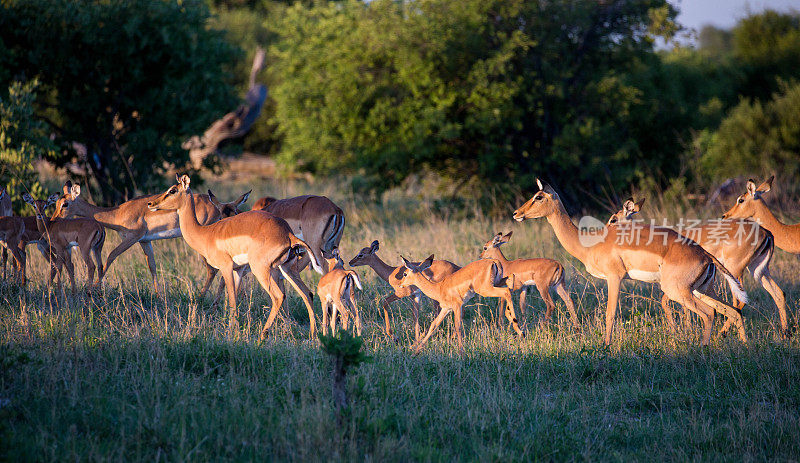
228	209
628	210
40	205
335	260
263	203
67	199
542	204
364	254
171	199
498	240
413	273
747	203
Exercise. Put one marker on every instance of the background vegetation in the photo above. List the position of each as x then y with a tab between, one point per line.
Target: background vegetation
481	95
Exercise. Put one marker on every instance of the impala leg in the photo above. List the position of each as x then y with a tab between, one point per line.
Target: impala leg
90	267
211	272
780	302
127	241
544	291
562	292
523	294
230	287
147	248
432	329
668	313
5	258
326	308
739	305
19	258
611	308
505	295
458	315
268	280
385	305
354	308
97	251
67	257
305	295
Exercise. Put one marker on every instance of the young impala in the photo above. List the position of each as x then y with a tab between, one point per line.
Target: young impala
739	244
392	275
544	274
335	291
751	206
656	254
61	235
254	238
483	277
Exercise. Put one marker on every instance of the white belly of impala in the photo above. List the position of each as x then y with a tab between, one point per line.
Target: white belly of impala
162	235
641	275
240	259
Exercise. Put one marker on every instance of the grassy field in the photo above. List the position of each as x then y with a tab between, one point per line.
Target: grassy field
127	375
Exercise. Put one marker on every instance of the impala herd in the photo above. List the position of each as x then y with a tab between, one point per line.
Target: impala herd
279	238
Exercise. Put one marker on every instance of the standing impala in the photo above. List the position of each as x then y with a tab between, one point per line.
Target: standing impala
656	254
392	275
254	238
135	223
740	245
5	211
315	219
751	206
335	290
483	277
61	235
545	274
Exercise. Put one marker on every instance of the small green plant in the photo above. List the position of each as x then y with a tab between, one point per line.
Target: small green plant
345	352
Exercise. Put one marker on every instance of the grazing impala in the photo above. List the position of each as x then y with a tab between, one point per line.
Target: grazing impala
392	275
739	244
135	223
545	274
335	291
751	206
483	277
254	238
315	219
63	234
657	254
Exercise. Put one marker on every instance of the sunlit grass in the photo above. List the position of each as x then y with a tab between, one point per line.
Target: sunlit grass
127	374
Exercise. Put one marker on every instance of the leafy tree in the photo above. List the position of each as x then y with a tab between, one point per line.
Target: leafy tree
756	138
126	78
497	92
23	140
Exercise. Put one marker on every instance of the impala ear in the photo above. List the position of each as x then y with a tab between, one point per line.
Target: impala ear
766	186
543	186
184	181
374	246
75	190
27	198
639	204
507	236
406	262
67	187
425	264
243	199
52	199
751	187
211	195
539	184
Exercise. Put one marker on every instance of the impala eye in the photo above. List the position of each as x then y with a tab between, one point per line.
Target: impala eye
614	220
740	200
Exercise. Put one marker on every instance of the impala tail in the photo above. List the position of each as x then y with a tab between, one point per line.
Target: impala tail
353	277
736	286
297	244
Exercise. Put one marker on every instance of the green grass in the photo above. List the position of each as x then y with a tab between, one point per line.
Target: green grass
127	375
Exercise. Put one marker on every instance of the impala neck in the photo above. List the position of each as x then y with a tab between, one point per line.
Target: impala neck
106	216
567	232
380	267
787	237
187	219
429	288
497	254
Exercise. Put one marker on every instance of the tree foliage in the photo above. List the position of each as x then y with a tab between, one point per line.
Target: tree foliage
499	91
126	78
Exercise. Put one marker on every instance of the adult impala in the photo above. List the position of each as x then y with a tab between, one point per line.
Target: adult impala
392	275
739	244
61	235
657	254
255	238
314	219
521	274
335	290
135	223
751	205
483	277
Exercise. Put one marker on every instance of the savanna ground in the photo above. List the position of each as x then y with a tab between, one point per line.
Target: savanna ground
128	375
